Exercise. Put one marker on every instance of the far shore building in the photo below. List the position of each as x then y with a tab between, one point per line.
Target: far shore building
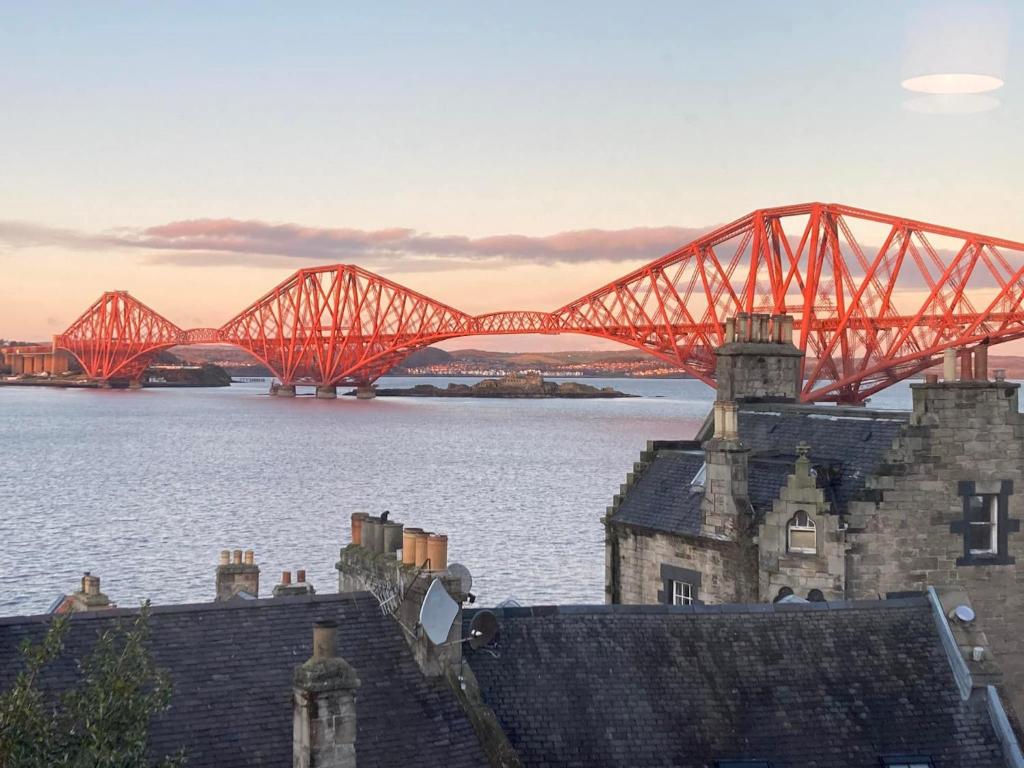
774	500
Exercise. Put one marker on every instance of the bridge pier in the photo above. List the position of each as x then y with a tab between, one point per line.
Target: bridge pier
282	390
326	392
135	384
365	392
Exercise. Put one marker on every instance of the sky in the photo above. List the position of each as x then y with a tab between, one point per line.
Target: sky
490	155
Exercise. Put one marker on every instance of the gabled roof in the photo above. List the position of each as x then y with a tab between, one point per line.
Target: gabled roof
231	668
846	445
819	684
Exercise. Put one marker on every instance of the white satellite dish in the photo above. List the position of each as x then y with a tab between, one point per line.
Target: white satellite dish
438	613
462	573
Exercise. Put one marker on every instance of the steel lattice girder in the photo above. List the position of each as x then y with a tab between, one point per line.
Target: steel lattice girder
866	317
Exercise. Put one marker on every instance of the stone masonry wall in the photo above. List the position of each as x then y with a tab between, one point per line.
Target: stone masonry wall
801	572
758	371
967	431
728	571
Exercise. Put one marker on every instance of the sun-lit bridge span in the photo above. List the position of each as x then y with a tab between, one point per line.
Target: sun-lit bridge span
866	316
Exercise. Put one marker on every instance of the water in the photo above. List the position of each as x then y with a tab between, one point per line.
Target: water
145	488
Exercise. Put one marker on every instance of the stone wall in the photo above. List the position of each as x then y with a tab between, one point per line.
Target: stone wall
727	570
964	437
758	371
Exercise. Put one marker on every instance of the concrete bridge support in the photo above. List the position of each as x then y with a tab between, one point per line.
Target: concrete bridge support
283	390
326	392
365	392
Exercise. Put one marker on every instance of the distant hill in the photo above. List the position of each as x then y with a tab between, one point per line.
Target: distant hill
427	356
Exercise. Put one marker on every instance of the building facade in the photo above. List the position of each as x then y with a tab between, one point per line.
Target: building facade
776	500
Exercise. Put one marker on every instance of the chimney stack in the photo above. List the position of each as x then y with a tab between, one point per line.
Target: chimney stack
237	573
288	589
89	597
324	705
758	361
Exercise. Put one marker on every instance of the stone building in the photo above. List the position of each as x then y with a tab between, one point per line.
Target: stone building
776	500
393	671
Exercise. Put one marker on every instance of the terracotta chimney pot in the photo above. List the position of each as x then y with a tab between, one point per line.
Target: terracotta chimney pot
286	577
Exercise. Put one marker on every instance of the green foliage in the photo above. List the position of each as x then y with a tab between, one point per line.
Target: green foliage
103	722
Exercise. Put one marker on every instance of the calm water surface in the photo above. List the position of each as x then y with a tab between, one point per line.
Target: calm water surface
145	488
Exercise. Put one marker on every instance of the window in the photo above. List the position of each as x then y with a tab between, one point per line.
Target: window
682	593
679	586
982	524
907	761
986	524
801	535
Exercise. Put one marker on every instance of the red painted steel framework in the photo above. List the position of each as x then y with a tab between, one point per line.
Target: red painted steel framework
866	316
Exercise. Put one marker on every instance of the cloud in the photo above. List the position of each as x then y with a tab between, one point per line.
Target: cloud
215	242
257	238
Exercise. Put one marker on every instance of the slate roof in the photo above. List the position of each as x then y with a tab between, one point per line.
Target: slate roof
661	497
851	441
231	667
817	685
846	446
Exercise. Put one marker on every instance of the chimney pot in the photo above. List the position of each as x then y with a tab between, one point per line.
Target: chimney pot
966	369
236	556
409	545
1000	374
300	576
357	527
931	378
730	330
949	365
762	327
249	557
286	577
981	362
325	637
787	329
742	326
420	556
225	557
437	551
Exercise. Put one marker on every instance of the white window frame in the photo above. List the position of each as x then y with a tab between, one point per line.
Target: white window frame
992	523
682	593
794	524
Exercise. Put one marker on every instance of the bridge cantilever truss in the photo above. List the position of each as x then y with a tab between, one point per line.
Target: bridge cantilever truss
865	316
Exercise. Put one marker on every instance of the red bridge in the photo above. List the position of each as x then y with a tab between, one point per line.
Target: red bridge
866	317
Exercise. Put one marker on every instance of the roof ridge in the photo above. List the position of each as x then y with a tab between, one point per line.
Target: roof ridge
539	611
179	608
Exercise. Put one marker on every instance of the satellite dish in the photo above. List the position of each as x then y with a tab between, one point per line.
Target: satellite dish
482	629
964	613
462	573
438	612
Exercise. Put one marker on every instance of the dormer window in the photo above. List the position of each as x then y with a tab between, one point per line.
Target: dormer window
801	535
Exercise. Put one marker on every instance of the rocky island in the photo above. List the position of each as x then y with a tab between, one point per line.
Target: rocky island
530	385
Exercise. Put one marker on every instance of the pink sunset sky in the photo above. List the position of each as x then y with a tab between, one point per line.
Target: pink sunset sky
492	157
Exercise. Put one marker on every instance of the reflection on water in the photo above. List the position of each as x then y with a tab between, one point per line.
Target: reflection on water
145	488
